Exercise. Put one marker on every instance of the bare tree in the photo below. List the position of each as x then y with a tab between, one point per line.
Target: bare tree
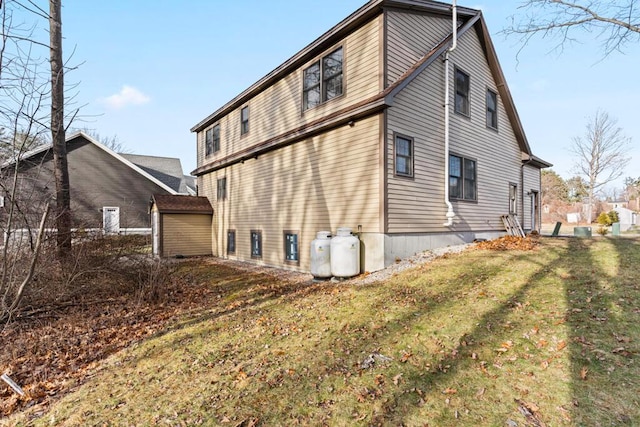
24	93
601	155
615	23
61	170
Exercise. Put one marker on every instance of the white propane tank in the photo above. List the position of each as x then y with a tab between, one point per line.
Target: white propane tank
345	254
321	255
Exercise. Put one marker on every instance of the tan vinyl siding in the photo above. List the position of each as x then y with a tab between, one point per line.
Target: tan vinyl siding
278	109
418	205
186	234
409	37
322	183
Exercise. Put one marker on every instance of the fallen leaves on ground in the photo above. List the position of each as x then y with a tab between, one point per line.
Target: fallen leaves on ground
49	352
509	243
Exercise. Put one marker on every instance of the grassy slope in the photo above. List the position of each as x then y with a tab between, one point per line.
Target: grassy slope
548	336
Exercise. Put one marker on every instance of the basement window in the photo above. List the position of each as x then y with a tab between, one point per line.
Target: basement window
291	254
256	244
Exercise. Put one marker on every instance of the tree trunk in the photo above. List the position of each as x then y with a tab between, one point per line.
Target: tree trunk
61	172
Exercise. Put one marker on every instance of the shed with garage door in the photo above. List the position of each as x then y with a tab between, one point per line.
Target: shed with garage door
181	225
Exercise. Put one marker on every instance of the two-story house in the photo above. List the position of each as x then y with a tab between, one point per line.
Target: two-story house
395	122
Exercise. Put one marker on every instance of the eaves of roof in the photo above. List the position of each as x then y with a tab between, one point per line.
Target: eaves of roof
473	19
348	25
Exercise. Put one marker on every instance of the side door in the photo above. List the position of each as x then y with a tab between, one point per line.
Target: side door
111	220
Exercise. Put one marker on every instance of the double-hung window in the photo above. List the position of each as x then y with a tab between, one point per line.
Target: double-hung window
322	80
256	244
212	140
462	85
404	156
462	178
222	188
492	109
244	120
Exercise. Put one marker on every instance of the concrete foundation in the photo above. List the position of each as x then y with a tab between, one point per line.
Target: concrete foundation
382	250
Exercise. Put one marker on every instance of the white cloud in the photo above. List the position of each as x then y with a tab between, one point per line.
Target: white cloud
127	96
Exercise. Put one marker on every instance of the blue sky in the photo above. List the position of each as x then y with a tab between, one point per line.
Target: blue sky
150	70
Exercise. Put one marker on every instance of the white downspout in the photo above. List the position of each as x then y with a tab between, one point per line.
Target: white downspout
450	213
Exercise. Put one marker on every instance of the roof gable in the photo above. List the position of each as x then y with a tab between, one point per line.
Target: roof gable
118	157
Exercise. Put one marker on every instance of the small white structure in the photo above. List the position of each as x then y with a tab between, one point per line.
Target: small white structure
627	218
573	217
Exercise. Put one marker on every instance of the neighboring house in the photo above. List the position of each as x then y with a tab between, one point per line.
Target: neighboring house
618	204
109	191
352	132
626	217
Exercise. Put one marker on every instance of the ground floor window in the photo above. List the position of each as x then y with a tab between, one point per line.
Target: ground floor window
256	244
231	241
291	253
462	178
222	188
513	198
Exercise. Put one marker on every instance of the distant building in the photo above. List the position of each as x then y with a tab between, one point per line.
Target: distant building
109	191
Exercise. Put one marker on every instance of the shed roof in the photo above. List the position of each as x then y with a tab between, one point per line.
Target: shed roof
167	203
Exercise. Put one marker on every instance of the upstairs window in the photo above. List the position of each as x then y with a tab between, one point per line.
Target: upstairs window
462	84
322	80
492	109
212	140
222	188
256	244
244	120
462	178
404	156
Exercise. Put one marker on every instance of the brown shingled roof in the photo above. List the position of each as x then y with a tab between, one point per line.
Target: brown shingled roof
167	203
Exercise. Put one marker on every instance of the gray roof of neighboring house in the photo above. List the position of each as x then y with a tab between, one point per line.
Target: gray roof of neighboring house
165	169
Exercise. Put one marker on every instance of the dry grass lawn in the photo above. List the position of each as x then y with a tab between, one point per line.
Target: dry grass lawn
540	337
